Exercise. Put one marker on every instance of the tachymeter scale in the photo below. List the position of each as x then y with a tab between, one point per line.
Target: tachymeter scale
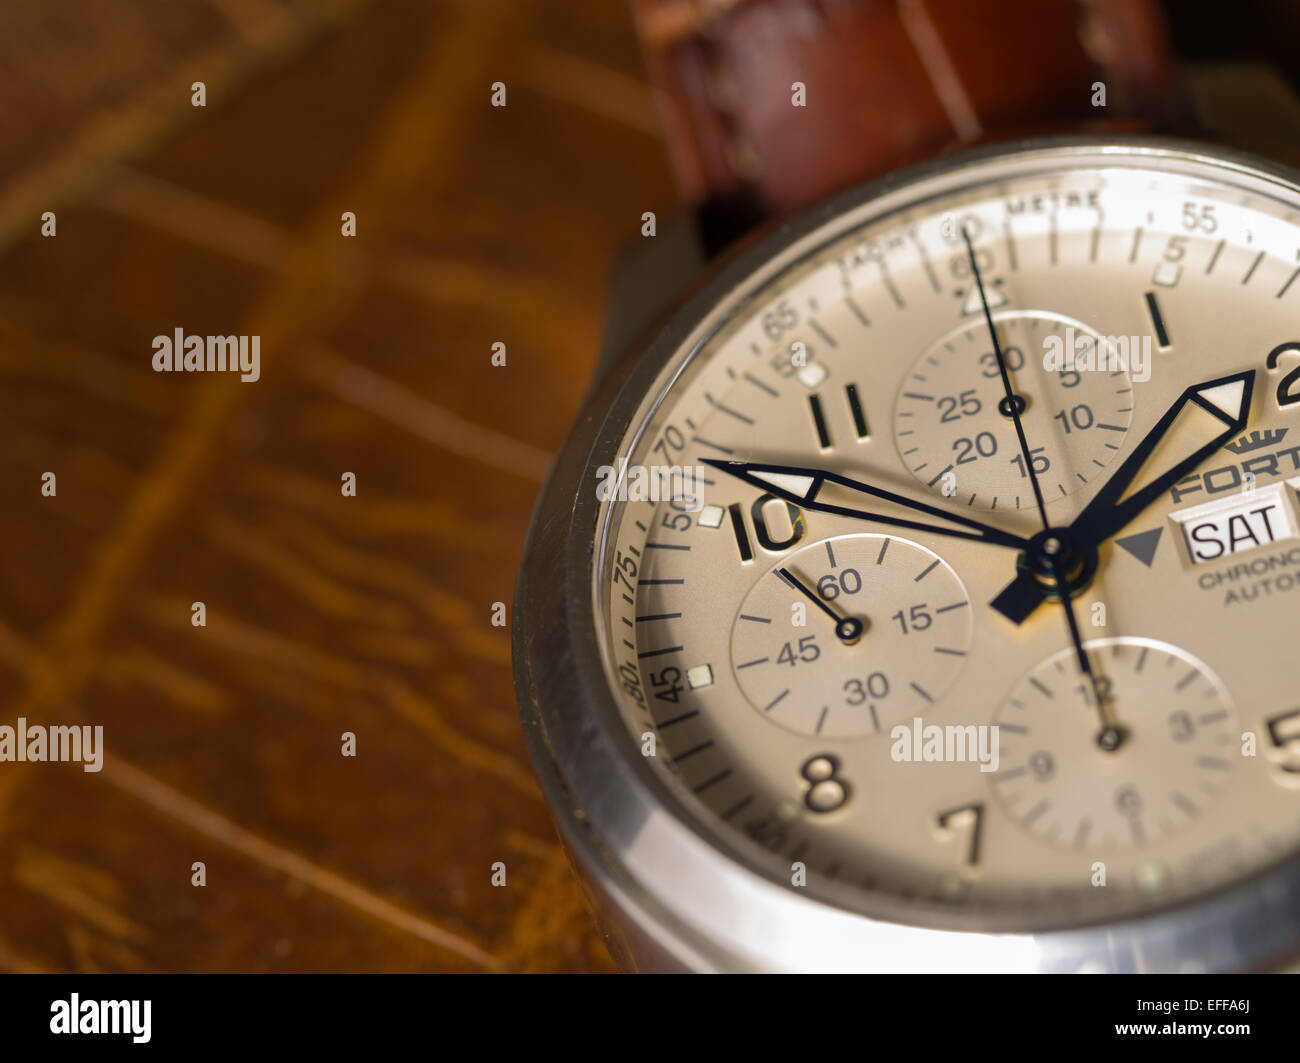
957	438
1177	753
848	636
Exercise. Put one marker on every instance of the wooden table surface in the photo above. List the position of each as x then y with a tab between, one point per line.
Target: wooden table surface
325	613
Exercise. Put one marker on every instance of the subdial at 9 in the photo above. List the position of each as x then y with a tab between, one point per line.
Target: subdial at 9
850	635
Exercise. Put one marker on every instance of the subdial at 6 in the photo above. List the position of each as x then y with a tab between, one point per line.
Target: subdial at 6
1178	753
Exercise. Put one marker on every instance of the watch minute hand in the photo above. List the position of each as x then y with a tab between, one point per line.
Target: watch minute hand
801	487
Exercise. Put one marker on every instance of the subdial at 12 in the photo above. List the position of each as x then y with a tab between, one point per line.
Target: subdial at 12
957	437
851	635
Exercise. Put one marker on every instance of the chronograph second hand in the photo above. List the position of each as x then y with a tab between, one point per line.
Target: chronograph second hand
1013	405
1111	736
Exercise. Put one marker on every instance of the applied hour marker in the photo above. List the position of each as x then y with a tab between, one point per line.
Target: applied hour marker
1158	320
855	410
821	426
819	422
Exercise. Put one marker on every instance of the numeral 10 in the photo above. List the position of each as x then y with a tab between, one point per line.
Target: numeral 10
761	533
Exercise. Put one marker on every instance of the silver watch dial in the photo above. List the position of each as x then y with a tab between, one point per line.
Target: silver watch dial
845	651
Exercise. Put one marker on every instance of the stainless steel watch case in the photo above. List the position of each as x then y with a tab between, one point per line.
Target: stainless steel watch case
666	896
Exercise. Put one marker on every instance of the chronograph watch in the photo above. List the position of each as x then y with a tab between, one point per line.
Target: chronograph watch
943	612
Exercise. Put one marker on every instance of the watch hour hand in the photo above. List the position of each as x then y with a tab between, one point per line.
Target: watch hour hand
827	492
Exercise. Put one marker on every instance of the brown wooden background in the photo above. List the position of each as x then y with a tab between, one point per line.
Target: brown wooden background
325	614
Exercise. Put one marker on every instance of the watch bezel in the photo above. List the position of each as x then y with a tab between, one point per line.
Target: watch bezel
696	898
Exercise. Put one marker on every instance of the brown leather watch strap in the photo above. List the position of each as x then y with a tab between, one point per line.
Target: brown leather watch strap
886	82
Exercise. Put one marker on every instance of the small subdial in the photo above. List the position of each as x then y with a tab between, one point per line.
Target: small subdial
850	635
955	430
1176	751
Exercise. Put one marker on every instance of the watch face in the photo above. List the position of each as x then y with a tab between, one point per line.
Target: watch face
835	543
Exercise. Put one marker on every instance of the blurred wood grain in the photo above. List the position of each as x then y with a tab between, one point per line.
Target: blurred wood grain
325	613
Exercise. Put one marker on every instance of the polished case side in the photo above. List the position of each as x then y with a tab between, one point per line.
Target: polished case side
667	897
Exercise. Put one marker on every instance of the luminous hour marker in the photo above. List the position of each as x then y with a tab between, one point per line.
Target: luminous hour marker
812	375
710	517
700	676
1167	274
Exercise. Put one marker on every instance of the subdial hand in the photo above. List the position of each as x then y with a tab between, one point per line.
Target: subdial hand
848	629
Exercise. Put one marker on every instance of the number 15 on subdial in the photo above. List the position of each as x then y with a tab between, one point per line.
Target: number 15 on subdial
851	635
